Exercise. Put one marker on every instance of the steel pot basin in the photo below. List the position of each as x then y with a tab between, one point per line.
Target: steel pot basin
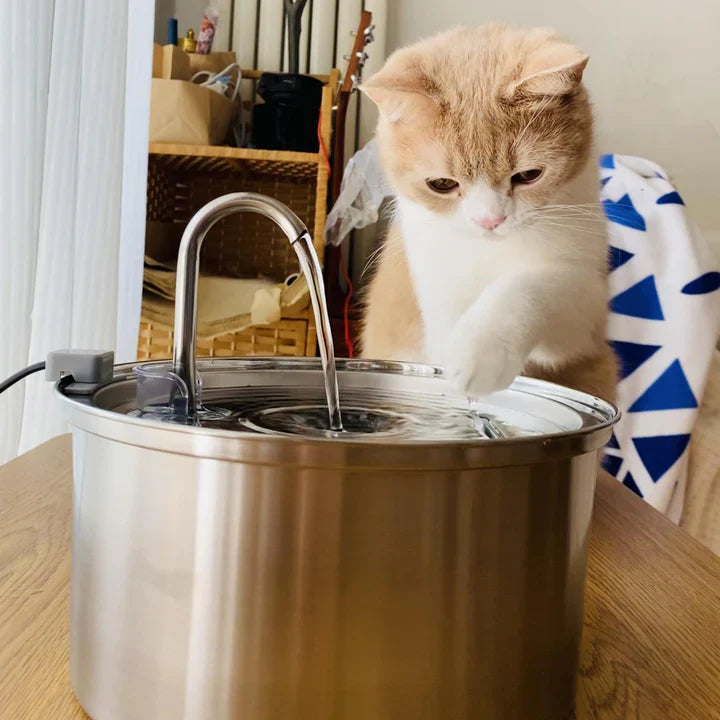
221	574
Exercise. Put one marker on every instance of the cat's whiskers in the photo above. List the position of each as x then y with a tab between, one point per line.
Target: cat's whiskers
581	214
582	221
572	227
389	250
575	213
573	205
589	209
371	261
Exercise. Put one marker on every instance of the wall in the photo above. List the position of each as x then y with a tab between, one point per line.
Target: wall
189	14
653	76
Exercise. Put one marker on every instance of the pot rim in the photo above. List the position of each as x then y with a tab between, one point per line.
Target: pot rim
319	452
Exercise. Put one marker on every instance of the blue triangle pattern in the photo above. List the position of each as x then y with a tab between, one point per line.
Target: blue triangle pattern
630	484
671	198
707	283
623	212
607	161
618	257
670	391
605	181
631	355
612	464
613	442
641	300
660	452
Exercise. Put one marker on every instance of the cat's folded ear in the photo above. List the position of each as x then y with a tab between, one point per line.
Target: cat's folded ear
554	68
400	92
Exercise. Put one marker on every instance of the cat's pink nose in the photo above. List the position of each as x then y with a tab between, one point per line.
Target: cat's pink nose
490	223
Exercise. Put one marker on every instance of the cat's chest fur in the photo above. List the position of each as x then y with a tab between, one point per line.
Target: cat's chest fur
450	270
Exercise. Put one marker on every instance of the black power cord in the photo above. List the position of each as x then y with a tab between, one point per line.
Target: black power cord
20	374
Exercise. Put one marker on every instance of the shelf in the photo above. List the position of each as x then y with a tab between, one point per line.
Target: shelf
221	159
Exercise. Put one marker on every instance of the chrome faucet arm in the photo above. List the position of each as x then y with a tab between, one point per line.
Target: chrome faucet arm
188	268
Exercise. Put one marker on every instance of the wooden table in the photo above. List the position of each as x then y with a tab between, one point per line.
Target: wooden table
652	615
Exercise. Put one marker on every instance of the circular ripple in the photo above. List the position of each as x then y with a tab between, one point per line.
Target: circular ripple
313	420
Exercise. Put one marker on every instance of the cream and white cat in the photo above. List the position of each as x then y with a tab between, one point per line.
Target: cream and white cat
496	262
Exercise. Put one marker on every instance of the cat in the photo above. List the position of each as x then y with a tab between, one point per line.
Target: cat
496	262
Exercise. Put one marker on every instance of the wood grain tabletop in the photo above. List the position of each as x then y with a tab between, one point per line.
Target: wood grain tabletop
652	611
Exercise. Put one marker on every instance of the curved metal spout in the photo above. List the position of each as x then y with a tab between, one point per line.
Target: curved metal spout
187	280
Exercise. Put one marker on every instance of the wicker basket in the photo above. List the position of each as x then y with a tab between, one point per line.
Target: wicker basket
182	178
287	337
243	244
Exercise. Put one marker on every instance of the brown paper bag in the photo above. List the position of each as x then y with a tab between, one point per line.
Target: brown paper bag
171	63
181	112
213	62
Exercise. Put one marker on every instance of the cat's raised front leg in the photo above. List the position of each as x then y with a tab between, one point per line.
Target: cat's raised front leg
552	316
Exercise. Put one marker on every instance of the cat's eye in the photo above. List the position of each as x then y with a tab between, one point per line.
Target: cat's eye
442	185
526	177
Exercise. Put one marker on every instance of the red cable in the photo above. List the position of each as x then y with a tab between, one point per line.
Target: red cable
321	144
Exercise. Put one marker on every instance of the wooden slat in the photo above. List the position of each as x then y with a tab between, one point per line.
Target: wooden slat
243	42
284	338
221	151
323	28
222	33
270	35
255	75
243	32
226	160
348	19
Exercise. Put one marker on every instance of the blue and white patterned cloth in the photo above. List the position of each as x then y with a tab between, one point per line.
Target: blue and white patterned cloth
664	322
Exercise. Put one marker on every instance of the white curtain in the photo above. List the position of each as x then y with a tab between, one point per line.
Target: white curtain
72	192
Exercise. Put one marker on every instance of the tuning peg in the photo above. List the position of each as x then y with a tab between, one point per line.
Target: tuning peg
355	82
346	57
362	56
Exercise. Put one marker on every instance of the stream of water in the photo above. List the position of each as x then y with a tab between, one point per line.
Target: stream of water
313	273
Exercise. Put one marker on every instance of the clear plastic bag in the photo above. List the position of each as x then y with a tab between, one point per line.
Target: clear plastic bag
362	191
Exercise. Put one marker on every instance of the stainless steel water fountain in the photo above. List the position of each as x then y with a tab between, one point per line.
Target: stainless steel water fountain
237	558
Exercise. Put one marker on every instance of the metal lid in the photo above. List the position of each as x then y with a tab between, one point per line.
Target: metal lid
530	421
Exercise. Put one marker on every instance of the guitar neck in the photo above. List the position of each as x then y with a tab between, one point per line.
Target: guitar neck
357	58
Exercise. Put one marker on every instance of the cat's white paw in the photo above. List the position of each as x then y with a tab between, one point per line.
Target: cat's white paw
482	362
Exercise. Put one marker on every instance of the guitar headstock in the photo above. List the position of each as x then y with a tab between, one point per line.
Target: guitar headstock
358	57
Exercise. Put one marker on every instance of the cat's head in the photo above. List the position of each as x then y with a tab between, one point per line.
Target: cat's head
483	125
